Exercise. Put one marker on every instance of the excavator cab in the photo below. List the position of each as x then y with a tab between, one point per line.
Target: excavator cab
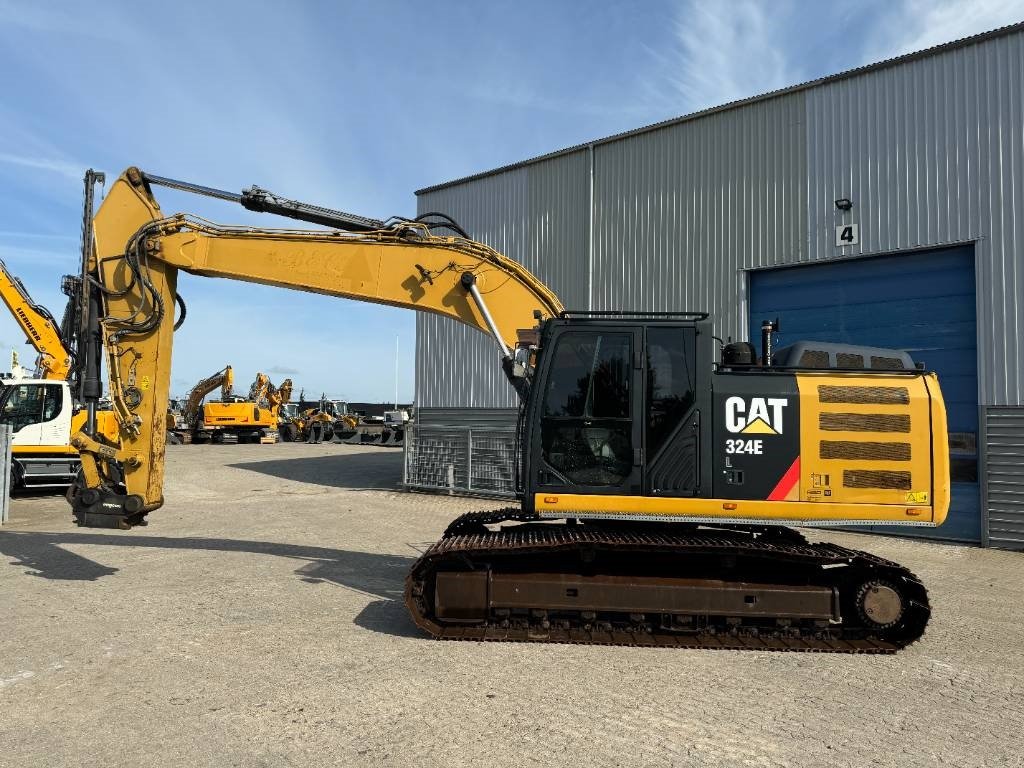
616	406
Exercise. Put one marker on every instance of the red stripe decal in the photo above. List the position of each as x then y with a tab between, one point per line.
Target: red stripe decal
787	482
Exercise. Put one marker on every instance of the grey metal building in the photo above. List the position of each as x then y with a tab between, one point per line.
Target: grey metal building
734	210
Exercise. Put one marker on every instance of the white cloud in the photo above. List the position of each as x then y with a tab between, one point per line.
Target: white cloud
71	170
22	258
918	24
284	370
9	235
724	52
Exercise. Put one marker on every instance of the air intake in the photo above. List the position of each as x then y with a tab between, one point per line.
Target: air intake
864	395
863	422
880	479
851	451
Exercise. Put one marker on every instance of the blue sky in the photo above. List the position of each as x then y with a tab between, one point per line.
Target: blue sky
355	106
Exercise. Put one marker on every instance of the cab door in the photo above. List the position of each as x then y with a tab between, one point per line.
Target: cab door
671	413
589	440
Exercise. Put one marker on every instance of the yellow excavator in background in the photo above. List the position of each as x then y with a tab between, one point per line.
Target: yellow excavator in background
252	419
277	397
660	487
193	411
269	399
39	406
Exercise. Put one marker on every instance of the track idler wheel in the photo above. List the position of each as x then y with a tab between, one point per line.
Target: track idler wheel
879	604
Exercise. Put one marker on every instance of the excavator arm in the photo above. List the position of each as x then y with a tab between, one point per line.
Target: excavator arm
278	396
131	275
260	388
223	378
53	360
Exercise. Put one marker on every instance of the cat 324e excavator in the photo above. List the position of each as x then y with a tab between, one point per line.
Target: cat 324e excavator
660	489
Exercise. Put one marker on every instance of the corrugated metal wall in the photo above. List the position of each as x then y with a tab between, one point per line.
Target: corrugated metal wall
1004	477
537	215
681	210
932	152
678	213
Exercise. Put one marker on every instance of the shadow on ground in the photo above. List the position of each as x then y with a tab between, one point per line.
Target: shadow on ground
377	575
379	469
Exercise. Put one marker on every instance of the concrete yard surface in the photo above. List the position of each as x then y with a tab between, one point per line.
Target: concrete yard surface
257	621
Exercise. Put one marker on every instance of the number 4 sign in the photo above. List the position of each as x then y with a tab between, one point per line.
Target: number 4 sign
847	234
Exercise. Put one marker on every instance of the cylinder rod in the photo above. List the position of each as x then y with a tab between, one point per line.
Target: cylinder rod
469	283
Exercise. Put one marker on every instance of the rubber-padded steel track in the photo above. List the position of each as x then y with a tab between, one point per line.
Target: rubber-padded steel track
730	555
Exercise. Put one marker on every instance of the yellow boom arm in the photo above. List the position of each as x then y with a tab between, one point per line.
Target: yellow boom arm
138	253
53	360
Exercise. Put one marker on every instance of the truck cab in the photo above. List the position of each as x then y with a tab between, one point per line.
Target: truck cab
42	418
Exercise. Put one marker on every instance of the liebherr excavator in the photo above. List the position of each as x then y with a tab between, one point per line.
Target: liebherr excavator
660	489
39	407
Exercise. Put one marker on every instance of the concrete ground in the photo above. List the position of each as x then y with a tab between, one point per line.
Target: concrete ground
257	621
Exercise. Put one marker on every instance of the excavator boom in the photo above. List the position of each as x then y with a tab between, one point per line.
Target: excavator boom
132	274
53	360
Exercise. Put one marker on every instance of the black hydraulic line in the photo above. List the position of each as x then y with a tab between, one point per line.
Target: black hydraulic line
446	221
91	384
89	337
263	201
184	311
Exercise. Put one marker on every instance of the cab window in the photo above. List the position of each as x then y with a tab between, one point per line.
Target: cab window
586	425
26	404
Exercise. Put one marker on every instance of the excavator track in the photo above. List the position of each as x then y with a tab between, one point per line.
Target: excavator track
660	586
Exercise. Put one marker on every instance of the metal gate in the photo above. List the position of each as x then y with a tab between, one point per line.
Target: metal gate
460	460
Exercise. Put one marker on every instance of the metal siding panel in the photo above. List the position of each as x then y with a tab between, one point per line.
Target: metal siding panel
536	215
456	365
467	417
1004	477
680	211
931	151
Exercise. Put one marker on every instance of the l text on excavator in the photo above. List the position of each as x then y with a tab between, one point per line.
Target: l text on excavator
660	490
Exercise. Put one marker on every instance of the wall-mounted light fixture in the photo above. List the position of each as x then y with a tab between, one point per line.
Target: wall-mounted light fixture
844	203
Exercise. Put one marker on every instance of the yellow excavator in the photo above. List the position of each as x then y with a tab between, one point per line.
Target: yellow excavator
661	484
193	412
252	419
269	399
39	406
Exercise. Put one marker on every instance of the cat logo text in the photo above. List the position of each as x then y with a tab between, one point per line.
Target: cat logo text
755	416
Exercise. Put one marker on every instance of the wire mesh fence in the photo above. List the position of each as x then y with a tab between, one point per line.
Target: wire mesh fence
460	460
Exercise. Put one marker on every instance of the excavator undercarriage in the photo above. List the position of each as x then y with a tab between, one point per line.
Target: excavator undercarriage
674	585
